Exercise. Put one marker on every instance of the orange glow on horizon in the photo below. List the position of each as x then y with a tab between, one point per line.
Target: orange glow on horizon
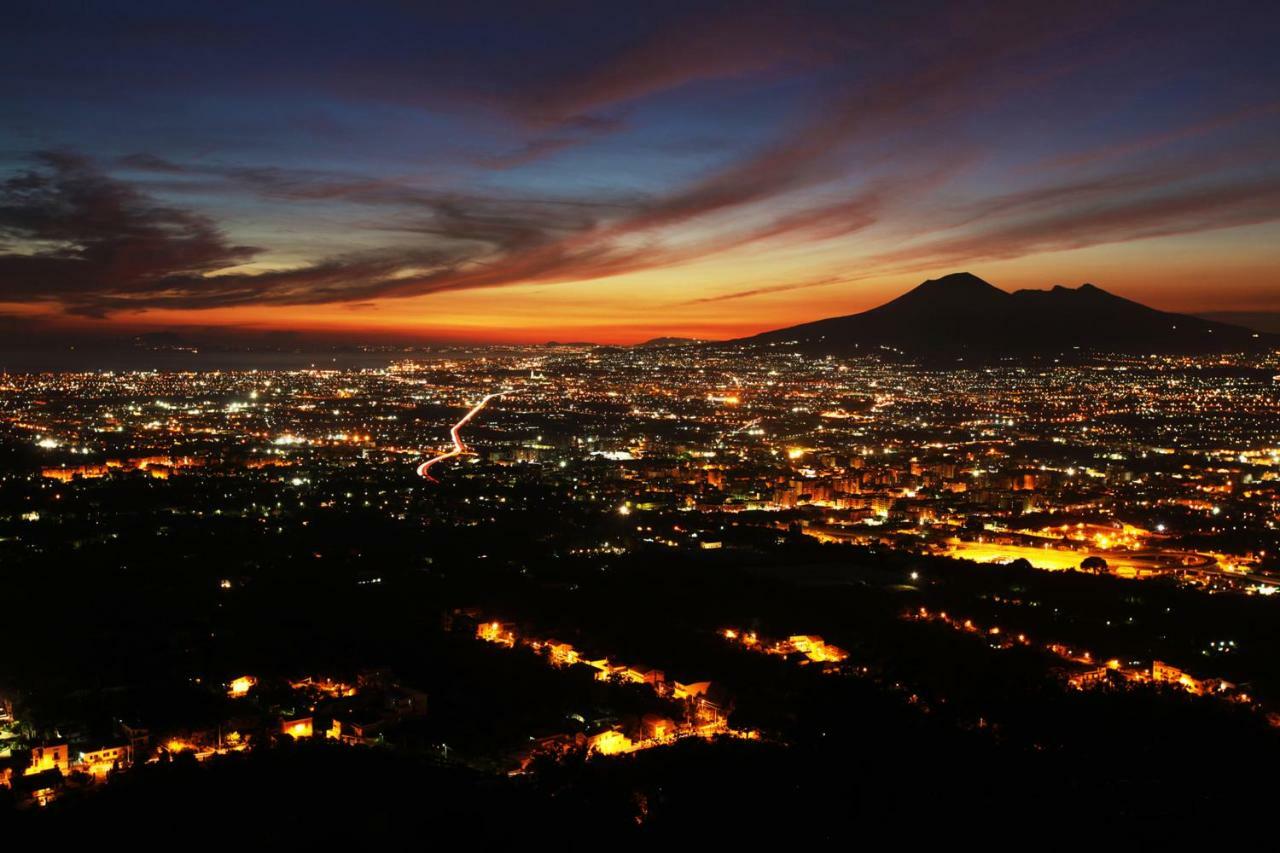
704	301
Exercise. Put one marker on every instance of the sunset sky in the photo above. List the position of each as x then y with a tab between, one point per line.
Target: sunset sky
614	172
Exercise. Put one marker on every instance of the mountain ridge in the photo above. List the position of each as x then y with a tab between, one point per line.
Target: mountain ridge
961	314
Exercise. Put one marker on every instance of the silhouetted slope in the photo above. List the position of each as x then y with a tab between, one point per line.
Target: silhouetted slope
961	314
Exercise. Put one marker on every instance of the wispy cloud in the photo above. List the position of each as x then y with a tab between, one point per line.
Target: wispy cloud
1183	210
867	150
768	289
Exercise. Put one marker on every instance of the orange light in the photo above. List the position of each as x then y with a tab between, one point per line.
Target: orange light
298	728
241	686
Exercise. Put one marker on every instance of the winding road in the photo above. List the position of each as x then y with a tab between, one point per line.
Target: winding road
424	470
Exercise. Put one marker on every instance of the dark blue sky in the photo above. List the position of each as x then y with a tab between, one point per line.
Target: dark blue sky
520	171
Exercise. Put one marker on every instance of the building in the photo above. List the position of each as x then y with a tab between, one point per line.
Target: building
51	757
100	762
297	728
711	703
609	742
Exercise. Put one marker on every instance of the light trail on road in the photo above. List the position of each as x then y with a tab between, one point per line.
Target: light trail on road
748	425
458	447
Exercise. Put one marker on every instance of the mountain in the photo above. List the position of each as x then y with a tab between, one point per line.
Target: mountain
666	342
961	315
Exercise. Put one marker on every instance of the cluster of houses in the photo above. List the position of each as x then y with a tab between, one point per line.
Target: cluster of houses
158	467
804	648
358	715
37	774
707	704
37	769
1110	673
1113	672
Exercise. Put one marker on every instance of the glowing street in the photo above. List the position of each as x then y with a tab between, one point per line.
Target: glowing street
458	447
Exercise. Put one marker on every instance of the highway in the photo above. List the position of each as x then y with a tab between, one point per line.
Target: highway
424	470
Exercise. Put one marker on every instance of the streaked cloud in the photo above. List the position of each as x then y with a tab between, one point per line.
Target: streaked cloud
750	154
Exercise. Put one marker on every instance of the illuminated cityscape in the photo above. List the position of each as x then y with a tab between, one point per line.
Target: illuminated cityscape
1067	511
651	426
